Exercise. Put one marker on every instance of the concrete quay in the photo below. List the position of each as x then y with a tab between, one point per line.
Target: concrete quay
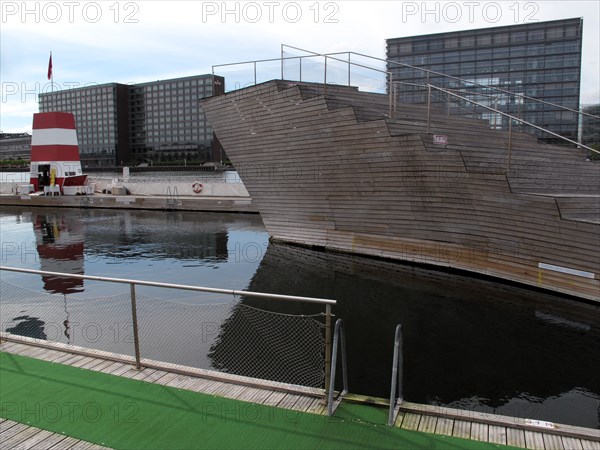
234	204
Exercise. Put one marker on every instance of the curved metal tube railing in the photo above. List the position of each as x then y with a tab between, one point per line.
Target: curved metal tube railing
396	394
339	335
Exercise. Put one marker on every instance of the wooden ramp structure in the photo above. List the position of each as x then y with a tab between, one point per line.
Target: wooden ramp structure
424	418
329	167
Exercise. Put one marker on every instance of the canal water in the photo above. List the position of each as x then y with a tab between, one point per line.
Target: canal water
468	343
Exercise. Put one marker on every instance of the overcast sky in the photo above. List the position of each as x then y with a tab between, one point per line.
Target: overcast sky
139	41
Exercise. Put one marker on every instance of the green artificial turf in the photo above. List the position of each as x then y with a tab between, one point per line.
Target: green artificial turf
128	414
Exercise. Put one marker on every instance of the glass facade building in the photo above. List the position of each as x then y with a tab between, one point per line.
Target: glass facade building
540	60
148	122
101	114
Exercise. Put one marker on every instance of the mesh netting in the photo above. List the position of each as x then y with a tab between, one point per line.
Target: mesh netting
228	337
272	346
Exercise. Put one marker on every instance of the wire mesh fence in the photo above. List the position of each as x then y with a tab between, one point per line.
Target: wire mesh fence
226	336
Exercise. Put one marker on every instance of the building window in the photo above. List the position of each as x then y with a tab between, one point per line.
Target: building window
554	33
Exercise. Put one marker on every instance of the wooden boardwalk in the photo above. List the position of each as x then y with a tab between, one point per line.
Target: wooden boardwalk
444	421
15	435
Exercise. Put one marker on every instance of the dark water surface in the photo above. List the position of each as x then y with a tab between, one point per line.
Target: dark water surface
468	343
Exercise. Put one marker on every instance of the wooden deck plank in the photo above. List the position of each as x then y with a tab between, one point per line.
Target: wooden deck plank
480	431
399	419
553	442
288	401
155	376
444	426
84	361
427	424
317	406
121	370
37	440
5	424
411	421
303	403
99	367
573	443
497	434
49	440
8	433
590	445
143	374
221	388
274	398
260	396
25	434
462	429
73	359
212	386
515	437
65	444
534	440
111	367
94	363
247	393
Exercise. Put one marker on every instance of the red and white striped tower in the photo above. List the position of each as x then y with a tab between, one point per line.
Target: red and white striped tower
54	151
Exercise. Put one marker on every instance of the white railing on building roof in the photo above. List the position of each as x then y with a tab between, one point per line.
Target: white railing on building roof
390	85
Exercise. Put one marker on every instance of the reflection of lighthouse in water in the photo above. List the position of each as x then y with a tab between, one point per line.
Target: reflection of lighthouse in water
60	248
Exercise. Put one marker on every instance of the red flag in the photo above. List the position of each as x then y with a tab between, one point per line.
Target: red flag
50	67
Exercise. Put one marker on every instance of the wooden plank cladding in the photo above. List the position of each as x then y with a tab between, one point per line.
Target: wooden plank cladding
326	166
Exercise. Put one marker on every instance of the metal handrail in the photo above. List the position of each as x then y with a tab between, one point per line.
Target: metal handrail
474	83
132	284
339	335
397	369
431	86
176	286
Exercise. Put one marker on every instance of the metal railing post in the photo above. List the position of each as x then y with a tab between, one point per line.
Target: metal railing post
428	106
391	99
136	338
509	142
327	349
397	369
338	335
282	61
255	73
349	63
325	78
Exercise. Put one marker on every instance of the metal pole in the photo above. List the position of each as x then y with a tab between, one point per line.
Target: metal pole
496	115
349	68
325	78
327	349
509	141
300	69
136	339
428	106
391	99
282	61
397	370
254	72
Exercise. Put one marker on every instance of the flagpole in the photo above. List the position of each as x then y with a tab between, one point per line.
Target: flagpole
51	75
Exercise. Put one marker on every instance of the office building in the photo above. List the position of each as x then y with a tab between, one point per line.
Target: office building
15	146
540	60
152	122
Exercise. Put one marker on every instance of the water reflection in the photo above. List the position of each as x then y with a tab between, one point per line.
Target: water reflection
60	247
467	343
31	327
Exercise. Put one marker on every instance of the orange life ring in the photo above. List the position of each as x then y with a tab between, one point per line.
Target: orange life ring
197	187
